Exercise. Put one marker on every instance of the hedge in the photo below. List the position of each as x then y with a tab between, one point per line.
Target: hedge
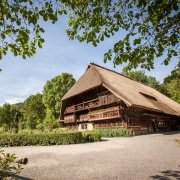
114	132
46	139
91	136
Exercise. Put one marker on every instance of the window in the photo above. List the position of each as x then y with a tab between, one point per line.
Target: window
83	126
148	96
162	124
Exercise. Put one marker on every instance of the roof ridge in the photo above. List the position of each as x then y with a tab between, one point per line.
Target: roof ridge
130	79
119	74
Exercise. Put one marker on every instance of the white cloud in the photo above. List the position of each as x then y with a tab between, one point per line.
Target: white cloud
14	100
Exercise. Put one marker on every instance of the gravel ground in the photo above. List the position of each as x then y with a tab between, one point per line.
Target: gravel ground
155	156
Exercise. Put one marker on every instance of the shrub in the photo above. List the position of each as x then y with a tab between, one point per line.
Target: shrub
40	127
8	166
1	130
25	131
41	139
45	131
92	136
58	130
115	132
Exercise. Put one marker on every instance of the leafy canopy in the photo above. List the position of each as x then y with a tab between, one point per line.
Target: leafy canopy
33	111
172	82
9	116
151	27
54	90
50	122
20	32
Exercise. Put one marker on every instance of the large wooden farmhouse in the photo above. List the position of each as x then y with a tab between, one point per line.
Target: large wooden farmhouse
102	98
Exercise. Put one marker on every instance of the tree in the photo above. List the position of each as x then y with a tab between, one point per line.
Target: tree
152	27
173	88
34	111
20	32
9	117
50	122
172	83
54	90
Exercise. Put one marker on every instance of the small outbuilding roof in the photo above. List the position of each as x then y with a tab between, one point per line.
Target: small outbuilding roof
133	93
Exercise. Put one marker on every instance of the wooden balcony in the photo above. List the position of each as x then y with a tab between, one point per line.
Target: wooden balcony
69	119
101	114
101	101
105	114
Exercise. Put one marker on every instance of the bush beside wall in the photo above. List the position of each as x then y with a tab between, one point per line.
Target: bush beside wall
47	139
41	139
91	136
114	132
28	138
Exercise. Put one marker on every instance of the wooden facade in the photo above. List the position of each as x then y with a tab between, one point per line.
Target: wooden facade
98	107
108	111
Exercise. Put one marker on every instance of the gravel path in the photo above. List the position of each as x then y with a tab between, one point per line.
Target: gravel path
155	156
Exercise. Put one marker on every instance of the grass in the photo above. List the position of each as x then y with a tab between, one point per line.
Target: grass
114	132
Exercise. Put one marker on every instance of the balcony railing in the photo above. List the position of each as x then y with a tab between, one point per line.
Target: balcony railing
69	119
107	114
101	101
101	114
83	117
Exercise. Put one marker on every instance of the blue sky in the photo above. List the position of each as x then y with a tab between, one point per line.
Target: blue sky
21	78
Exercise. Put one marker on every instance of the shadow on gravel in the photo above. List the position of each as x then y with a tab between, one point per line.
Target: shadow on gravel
21	178
170	132
17	177
104	140
167	175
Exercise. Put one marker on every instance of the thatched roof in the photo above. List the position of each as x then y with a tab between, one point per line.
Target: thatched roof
133	93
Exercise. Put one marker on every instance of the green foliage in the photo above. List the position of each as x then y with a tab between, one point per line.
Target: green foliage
114	132
172	84
173	88
57	130
57	136
41	139
150	28
50	122
54	90
92	136
33	111
9	117
20	32
7	166
26	131
34	131
2	130
40	127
